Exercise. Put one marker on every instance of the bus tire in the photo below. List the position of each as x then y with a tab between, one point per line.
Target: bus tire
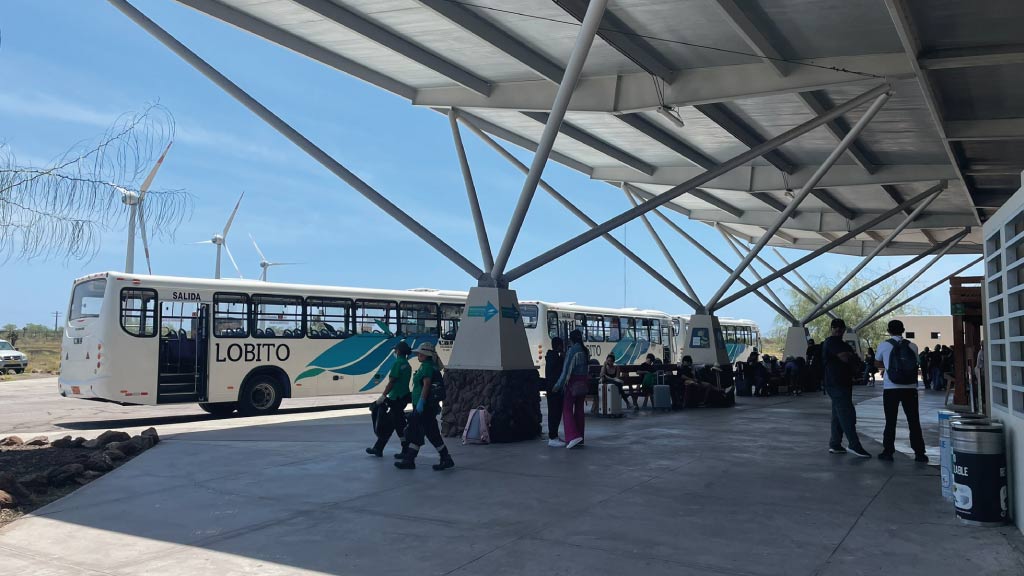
261	394
221	409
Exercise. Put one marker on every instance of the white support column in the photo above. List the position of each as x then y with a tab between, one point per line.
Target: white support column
871	256
474	200
839	150
585	38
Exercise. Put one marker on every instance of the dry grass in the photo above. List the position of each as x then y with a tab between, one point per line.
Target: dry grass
43	355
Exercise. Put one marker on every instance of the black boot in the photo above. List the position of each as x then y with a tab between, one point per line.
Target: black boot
377	449
401	455
409	461
446	461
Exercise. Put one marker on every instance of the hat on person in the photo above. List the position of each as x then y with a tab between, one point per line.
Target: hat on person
426	348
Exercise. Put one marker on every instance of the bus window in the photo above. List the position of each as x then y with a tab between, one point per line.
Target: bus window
277	316
231	315
417	318
375	317
611	328
552	324
530	315
579	322
87	299
729	334
328	317
138	311
627	328
595	328
178	319
655	331
451	315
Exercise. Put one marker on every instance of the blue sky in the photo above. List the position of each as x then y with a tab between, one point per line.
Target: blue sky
71	68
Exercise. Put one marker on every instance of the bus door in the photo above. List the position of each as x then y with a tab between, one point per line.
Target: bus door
184	352
667	343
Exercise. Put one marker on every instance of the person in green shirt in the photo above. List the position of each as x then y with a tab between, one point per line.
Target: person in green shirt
424	417
392	402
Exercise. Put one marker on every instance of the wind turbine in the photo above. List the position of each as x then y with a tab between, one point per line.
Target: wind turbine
137	213
264	263
220	240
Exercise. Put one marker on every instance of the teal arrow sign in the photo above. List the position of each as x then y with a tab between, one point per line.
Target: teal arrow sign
510	312
485	312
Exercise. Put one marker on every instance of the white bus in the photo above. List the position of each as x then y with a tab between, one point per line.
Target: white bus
240	344
739	336
628	333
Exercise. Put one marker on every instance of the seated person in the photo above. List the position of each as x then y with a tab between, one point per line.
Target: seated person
686	368
612	374
648	372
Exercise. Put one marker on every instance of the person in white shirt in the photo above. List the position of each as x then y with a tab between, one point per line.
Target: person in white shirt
897	357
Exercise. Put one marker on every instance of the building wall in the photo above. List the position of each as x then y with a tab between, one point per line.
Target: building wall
1004	335
921	330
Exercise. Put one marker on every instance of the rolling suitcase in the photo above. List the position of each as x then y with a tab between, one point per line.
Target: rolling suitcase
662	396
609	401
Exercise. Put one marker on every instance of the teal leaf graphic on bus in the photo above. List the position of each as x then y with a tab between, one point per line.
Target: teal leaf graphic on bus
370	353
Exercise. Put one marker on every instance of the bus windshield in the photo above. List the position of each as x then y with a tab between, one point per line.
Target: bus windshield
529	312
87	299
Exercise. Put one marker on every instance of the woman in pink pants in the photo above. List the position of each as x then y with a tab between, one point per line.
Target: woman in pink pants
573	384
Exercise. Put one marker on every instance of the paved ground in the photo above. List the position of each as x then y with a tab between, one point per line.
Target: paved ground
31	407
750	490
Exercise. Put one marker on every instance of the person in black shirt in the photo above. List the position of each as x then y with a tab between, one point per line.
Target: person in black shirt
553	363
839	363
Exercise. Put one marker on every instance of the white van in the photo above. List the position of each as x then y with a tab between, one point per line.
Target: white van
11	359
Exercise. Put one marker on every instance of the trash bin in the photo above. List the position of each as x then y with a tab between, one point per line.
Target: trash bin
979	472
946	417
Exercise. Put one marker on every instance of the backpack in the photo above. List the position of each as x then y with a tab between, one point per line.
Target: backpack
902	365
437	389
478	427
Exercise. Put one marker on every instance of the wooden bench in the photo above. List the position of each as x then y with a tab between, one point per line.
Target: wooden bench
632	380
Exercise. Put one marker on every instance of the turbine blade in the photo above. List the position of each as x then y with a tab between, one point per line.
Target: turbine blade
145	241
204	242
232	258
232	217
283	263
257	246
152	173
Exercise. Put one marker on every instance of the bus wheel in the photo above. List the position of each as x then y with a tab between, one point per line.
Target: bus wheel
261	394
221	409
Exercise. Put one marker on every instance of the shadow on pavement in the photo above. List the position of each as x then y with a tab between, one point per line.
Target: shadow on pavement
187	418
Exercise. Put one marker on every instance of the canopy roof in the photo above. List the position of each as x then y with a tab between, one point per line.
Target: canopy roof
957	114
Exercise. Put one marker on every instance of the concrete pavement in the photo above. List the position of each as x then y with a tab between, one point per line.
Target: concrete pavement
750	490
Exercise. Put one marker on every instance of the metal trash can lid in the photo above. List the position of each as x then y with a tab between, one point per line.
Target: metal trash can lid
978	437
947	417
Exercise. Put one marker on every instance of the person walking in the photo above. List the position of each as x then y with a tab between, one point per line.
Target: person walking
573	384
897	357
923	358
391	404
554	360
424	417
839	364
869	368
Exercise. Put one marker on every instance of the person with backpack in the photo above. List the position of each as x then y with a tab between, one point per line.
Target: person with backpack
840	365
390	407
897	357
573	383
554	360
426	383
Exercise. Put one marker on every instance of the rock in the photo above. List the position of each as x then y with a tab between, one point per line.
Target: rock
129	448
88	476
11	441
94	443
38	441
99	462
108	437
37	483
11	486
151	432
65	442
78	441
512	396
114	454
146	442
62	475
6	500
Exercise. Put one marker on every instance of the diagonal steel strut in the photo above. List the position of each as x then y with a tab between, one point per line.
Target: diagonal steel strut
673	193
474	200
837	242
295	137
916	295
